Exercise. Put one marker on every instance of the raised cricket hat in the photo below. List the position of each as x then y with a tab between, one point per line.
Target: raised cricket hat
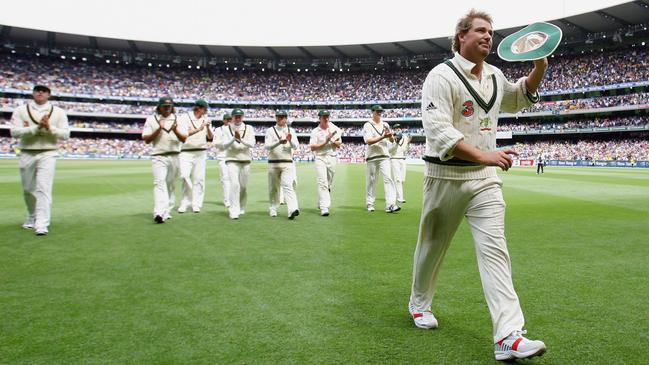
42	88
236	112
201	103
281	113
165	100
536	41
323	113
377	108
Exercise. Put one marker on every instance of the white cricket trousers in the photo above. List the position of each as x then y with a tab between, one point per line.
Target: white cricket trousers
239	172
281	178
371	170
37	176
325	167
165	172
192	173
225	181
399	176
481	202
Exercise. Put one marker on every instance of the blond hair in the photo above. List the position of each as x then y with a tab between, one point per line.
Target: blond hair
465	23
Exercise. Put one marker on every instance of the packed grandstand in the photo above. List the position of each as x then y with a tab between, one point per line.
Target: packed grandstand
594	103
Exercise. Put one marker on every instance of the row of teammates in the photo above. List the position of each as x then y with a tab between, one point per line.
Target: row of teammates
180	146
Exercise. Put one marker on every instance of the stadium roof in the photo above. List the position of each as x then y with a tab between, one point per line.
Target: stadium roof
59	33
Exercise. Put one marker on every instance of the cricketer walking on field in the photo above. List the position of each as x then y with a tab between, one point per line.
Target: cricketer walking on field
40	126
461	99
166	134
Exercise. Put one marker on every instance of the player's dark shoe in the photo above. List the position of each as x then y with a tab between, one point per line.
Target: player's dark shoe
515	346
294	214
393	209
158	219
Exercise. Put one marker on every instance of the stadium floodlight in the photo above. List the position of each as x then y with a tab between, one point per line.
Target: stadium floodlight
84	59
107	61
149	64
62	57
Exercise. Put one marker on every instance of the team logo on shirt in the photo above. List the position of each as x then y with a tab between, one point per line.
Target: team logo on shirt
485	124
467	108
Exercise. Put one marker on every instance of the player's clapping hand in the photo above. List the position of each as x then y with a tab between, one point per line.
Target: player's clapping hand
500	158
283	140
45	122
289	137
237	136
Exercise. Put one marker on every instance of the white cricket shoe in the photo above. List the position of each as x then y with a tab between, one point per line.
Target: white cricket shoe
41	231
242	212
423	319
515	346
273	212
370	208
234	216
324	212
182	209
29	223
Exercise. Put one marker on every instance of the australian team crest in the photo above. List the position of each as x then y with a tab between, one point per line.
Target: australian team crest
467	108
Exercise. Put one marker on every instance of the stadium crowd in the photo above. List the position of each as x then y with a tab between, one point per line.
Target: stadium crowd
567	72
599	122
623	149
311	114
414	129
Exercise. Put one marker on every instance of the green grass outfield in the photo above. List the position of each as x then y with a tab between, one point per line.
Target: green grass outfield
107	285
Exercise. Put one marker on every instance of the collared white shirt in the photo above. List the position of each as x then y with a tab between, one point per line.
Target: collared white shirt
319	135
166	141
460	106
380	149
197	141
